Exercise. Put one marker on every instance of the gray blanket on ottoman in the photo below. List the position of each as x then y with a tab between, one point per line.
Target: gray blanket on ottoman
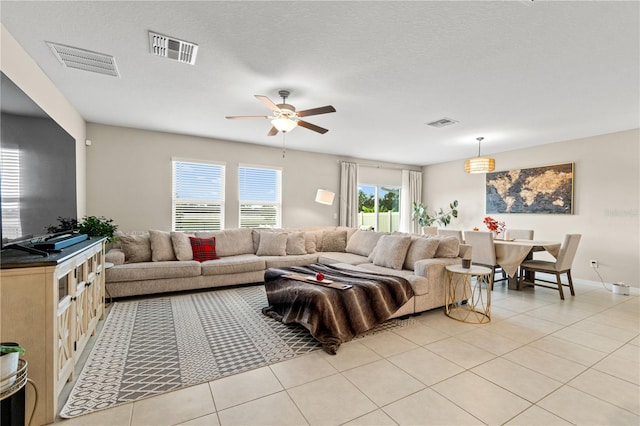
334	316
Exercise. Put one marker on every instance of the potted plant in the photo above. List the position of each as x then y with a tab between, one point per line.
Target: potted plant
440	216
9	354
95	226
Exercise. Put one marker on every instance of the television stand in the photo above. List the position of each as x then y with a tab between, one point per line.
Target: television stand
27	249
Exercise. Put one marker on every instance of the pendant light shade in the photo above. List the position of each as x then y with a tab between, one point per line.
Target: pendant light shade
479	164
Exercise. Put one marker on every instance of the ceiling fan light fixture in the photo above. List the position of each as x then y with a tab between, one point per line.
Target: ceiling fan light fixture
479	164
284	124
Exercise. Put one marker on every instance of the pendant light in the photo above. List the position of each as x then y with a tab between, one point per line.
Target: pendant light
479	164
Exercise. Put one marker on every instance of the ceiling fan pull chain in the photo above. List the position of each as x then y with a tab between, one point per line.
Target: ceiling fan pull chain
283	149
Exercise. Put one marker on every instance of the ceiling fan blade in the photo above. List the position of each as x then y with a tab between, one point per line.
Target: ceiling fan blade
235	117
272	132
313	127
268	102
316	111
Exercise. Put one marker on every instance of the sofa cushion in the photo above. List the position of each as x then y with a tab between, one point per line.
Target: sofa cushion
420	285
272	244
362	242
447	246
391	251
233	265
296	244
328	258
317	237
153	271
136	248
231	242
290	260
310	245
420	248
334	240
181	245
203	248
161	246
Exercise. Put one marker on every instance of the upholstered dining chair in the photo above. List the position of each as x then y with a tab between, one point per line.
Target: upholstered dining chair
451	233
483	252
518	234
562	265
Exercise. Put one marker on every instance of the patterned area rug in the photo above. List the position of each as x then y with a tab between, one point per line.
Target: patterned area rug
151	346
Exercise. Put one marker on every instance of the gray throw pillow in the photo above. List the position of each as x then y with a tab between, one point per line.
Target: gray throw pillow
420	248
363	242
391	251
334	241
310	245
136	248
182	245
296	243
447	247
272	244
161	246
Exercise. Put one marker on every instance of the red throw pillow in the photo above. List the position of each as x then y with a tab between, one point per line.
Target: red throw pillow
203	248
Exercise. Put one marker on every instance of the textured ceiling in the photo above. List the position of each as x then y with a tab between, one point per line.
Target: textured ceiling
518	73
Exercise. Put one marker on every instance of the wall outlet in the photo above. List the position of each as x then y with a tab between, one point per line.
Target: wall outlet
594	263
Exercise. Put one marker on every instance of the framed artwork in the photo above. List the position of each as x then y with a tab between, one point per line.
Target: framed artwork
546	190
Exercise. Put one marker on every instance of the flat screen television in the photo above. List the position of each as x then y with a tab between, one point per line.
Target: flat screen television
37	170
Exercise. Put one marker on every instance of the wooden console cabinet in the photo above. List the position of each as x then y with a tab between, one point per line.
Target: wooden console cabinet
51	306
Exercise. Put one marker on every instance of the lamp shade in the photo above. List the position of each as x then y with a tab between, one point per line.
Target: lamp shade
284	124
325	197
480	165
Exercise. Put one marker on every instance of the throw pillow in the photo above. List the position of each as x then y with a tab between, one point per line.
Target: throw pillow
296	243
420	248
447	247
136	248
161	246
181	245
310	242
272	244
203	248
363	242
391	251
334	241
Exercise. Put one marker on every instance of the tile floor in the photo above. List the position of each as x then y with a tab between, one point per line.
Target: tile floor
541	361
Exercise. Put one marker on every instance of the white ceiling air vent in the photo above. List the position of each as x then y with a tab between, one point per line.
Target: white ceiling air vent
172	48
442	122
85	60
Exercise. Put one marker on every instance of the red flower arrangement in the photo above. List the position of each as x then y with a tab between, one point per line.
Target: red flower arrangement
493	225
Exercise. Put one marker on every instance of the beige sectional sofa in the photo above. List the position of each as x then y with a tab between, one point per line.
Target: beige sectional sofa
157	262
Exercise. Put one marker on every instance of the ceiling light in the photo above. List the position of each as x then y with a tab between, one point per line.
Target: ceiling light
284	124
479	164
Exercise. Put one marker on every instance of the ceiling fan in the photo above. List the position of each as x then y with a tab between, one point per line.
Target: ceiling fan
285	117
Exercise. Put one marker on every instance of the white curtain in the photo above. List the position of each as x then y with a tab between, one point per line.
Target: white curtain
349	194
410	192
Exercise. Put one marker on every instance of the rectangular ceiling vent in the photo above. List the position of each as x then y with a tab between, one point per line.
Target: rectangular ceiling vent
172	48
85	60
442	122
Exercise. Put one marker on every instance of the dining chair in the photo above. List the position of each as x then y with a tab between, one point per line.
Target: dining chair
518	234
562	265
429	230
483	252
451	233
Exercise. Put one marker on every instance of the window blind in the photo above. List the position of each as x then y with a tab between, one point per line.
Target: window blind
259	193
198	196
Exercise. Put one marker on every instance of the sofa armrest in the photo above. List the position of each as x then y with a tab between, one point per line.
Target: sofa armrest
115	256
465	251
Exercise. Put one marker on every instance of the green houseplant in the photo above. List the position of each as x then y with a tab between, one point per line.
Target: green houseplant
440	216
95	226
9	354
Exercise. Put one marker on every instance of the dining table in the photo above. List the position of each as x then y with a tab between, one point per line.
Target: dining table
511	253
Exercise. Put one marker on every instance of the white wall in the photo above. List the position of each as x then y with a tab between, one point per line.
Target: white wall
129	176
26	74
606	200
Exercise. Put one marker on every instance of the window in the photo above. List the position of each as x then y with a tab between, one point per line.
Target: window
379	207
260	196
198	196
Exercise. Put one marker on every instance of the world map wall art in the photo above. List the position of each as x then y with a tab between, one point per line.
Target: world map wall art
546	190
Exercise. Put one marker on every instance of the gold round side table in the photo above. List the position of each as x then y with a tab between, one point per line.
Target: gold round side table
470	285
